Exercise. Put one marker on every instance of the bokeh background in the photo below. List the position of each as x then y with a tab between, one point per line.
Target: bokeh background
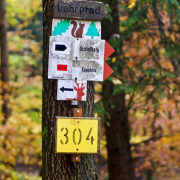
140	101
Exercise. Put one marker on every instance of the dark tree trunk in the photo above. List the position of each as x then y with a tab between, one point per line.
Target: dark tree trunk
120	162
4	62
59	166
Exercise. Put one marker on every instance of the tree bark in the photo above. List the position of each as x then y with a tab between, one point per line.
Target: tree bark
120	164
60	166
4	62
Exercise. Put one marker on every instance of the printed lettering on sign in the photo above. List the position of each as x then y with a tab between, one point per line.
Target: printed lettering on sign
91	70
68	48
76	28
79	10
71	90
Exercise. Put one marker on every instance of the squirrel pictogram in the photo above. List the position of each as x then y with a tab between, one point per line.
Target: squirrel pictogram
79	30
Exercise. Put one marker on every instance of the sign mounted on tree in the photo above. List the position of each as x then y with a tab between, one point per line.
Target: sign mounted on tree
76	49
77	135
71	90
80	10
76	28
71	58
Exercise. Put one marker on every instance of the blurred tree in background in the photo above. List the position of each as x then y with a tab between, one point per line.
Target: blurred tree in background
141	99
20	131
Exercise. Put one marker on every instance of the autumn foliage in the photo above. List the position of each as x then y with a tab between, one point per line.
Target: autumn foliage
147	49
20	136
148	43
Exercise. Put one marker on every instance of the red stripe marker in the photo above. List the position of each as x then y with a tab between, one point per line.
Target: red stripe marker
61	67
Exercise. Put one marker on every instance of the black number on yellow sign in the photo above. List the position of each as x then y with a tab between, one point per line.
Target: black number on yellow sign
80	136
92	139
65	136
74	135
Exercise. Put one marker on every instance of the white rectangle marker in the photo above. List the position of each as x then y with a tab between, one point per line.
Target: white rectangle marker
59	69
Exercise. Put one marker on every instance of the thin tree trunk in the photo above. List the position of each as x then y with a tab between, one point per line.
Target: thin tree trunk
4	62
59	166
120	164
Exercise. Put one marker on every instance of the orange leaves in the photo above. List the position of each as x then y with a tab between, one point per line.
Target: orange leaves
130	63
122	18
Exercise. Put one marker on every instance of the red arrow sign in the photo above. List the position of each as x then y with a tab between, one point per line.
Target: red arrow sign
108	50
107	71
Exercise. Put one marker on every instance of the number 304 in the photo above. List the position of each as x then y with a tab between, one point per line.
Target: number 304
76	132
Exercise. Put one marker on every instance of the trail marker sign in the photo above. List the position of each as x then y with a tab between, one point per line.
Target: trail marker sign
71	90
77	135
68	48
80	10
71	58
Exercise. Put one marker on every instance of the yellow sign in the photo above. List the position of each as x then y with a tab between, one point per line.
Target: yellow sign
77	135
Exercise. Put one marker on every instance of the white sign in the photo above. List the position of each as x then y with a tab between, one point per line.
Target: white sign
76	49
76	28
71	58
88	70
71	90
59	69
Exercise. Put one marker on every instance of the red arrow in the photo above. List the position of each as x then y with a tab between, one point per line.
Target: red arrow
107	71
108	50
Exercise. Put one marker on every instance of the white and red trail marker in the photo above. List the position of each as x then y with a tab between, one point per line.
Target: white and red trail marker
71	90
71	58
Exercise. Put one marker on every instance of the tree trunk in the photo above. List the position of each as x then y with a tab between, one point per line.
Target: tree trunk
4	62
60	166
120	164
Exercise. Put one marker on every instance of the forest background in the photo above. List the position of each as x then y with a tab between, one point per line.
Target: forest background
145	85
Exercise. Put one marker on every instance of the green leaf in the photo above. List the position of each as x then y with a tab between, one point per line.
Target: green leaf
61	27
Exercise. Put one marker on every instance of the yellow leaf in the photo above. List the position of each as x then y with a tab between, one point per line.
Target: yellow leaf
113	59
132	3
162	51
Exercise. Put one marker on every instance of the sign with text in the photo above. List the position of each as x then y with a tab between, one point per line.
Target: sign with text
71	90
76	28
68	48
88	70
71	58
79	10
77	135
